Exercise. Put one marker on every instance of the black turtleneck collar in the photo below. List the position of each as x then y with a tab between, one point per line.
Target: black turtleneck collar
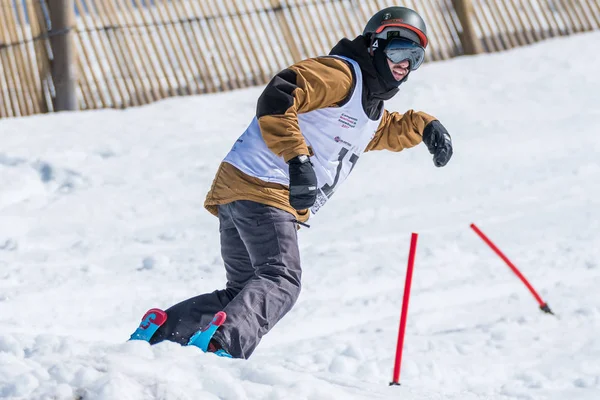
358	50
375	89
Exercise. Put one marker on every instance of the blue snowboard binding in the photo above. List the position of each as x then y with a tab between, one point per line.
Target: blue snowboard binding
201	339
152	320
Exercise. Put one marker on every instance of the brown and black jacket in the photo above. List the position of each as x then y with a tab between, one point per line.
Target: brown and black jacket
305	86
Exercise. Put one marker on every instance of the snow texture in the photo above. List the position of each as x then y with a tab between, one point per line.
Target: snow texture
101	218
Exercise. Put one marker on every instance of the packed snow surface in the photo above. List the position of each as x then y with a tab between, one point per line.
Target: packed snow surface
101	218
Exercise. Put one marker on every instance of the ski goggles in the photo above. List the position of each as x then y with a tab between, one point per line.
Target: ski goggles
398	50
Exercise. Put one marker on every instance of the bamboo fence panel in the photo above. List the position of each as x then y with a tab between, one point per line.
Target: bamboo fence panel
275	34
9	61
178	46
37	11
24	64
165	44
5	105
10	101
504	24
131	36
155	68
129	74
539	29
202	39
452	24
269	37
92	65
217	46
134	52
242	52
5	110
440	42
300	30
91	35
330	24
129	70
260	71
27	58
585	17
85	90
594	10
526	35
186	44
21	67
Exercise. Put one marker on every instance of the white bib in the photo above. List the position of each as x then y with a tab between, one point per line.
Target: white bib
338	136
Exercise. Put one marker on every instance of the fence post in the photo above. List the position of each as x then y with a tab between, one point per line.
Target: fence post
62	19
470	42
278	6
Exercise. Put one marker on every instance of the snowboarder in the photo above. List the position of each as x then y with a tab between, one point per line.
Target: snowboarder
313	122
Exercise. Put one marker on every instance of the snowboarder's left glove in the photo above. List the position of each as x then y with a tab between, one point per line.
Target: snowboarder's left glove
438	142
303	183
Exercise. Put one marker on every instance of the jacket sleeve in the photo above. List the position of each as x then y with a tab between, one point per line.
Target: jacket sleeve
397	132
305	86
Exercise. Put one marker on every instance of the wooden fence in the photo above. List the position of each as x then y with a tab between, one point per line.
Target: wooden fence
90	54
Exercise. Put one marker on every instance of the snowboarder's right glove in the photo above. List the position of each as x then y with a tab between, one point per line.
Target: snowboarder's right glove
438	142
303	183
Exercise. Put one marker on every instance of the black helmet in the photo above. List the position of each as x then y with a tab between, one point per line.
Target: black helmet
397	22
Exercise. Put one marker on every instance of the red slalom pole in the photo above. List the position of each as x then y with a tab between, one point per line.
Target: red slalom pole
403	317
543	305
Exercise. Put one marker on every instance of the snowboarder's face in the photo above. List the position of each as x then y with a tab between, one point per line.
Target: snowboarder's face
399	70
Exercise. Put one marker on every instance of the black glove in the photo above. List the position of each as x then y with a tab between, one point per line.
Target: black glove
303	183
438	142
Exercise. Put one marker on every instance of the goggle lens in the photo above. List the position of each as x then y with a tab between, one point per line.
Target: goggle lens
399	50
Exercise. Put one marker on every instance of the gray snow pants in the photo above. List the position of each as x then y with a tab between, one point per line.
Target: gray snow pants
259	245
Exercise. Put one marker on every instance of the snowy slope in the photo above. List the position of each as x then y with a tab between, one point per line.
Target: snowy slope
101	218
